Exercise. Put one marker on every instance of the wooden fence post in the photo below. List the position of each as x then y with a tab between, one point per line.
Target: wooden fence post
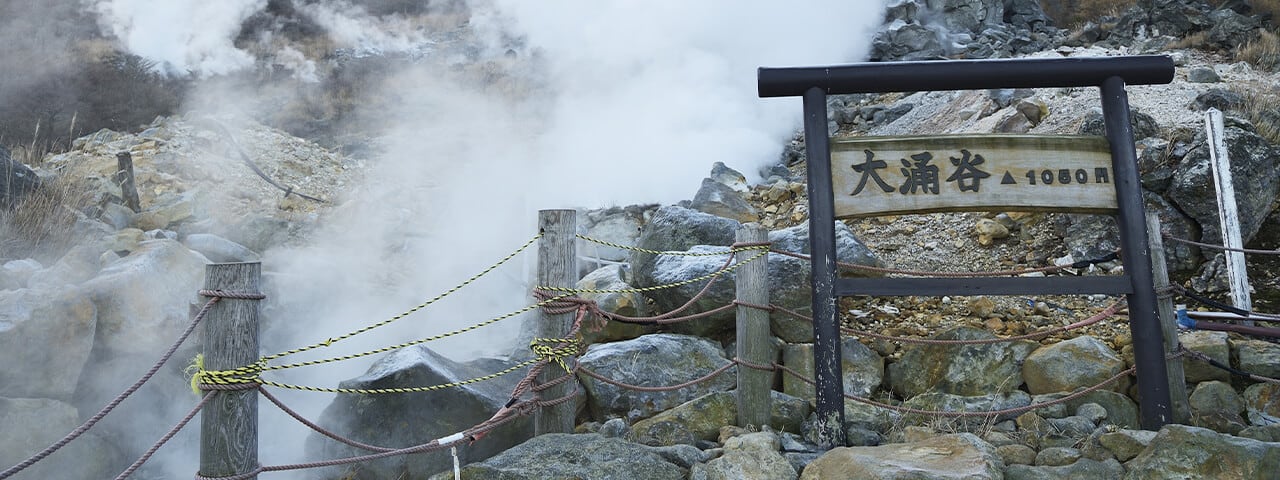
1228	214
124	176
752	284
557	267
229	422
1168	323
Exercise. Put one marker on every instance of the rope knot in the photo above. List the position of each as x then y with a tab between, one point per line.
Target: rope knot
240	378
555	350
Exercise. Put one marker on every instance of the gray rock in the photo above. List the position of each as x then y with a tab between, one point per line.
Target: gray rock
1203	75
1257	357
686	456
1093	236
862	370
1093	412
788	275
1262	402
116	215
1143	125
676	229
944	402
45	339
1083	469
729	177
16	180
651	360
1126	444
1224	100
631	304
1057	456
559	455
685	424
1017	454
966	370
906	41
614	225
962	455
788	413
1180	451
1208	343
1121	411
1216	396
747	457
407	419
31	424
142	298
218	249
1257	181
1061	367
1231	29
615	428
722	200
1262	433
15	273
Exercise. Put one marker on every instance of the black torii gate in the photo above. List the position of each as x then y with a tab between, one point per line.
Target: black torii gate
1109	74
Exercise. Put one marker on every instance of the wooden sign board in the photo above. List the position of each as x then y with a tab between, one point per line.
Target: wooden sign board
921	174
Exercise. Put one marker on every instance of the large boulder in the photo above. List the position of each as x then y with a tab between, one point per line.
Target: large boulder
943	402
142	298
956	456
788	277
1121	411
651	361
674	228
618	225
406	419
1257	357
1262	401
1255	170
45	339
1064	366
559	455
722	200
1181	451
31	424
753	456
1082	469
702	418
967	370
861	371
1211	344
610	280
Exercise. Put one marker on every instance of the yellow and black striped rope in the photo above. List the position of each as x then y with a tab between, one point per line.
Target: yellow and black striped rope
672	253
660	287
375	391
544	350
415	342
420	306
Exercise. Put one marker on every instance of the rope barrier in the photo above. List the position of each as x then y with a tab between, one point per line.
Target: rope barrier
1221	247
736	248
165	438
406	313
659	287
88	424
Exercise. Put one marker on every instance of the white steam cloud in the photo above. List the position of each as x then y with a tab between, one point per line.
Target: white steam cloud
626	102
181	36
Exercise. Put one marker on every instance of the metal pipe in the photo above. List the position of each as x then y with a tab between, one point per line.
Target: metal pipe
963	75
1144	325
1231	327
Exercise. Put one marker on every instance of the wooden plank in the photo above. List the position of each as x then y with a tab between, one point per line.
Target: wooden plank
847	287
1228	214
229	422
557	267
1168	324
751	283
921	174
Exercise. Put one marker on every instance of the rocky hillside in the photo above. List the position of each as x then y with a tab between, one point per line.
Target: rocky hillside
93	287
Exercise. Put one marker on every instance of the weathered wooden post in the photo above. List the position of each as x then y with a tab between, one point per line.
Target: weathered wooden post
1168	324
124	176
229	422
1228	213
557	267
752	284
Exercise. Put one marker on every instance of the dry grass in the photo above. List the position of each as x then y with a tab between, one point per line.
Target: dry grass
1263	51
43	223
1262	107
1267	7
1073	14
1198	40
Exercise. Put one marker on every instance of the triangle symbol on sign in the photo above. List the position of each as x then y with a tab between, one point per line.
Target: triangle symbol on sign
1008	179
